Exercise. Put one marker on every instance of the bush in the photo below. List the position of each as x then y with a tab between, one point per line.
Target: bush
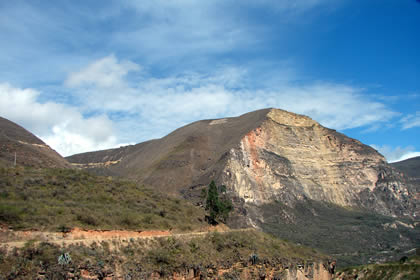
9	213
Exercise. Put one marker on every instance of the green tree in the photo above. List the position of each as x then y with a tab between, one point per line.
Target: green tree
219	208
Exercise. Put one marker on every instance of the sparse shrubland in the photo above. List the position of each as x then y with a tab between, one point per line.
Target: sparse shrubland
409	270
139	258
59	199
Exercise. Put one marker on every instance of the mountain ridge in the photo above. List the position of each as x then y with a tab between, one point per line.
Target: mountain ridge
18	143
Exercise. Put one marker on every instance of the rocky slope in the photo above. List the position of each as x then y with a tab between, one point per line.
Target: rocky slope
29	149
274	163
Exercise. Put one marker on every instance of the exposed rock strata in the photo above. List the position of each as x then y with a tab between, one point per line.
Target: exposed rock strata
291	157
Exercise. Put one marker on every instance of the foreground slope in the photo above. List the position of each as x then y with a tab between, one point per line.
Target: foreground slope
29	149
226	255
287	175
61	199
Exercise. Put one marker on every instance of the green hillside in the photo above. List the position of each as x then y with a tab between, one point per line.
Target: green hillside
138	259
59	199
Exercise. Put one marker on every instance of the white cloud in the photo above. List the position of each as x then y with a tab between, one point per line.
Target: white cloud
396	154
143	107
411	121
61	126
164	104
105	72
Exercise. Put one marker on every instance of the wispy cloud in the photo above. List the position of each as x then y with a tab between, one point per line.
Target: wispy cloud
163	104
410	121
63	36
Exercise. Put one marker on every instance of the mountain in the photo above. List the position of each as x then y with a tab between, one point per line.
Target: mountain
262	156
286	174
29	149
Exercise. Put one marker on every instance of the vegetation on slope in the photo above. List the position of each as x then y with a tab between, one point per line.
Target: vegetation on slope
59	199
137	259
409	270
352	236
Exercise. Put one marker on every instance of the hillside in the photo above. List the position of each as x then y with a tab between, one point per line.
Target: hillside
61	199
29	149
407	268
282	170
189	156
225	255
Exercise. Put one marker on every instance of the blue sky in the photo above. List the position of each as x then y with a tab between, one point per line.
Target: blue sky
88	75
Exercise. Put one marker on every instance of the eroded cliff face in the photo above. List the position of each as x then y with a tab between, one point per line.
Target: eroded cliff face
290	157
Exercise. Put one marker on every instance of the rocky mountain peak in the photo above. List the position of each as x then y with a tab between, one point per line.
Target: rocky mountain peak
283	117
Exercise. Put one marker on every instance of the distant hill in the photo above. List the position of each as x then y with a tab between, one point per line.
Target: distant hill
29	149
410	166
286	174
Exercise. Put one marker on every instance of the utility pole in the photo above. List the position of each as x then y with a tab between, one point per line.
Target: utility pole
14	164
